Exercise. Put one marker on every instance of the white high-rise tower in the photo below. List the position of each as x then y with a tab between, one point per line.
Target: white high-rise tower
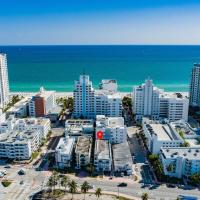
195	86
4	84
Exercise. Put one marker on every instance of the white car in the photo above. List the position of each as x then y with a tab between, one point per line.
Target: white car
2	174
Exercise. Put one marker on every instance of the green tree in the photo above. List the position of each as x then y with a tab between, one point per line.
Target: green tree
145	196
185	144
64	181
195	179
98	192
85	187
72	187
55	177
51	183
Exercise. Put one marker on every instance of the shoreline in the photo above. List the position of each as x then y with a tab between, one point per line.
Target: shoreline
70	94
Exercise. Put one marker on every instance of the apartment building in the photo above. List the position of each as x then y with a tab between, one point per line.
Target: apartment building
83	151
180	162
113	128
151	102
195	85
42	103
102	156
159	135
64	152
4	82
19	145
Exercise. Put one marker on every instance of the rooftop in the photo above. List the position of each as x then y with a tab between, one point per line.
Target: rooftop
65	145
83	145
190	153
102	149
121	154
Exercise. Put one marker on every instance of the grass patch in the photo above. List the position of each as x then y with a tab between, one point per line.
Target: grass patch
6	183
35	155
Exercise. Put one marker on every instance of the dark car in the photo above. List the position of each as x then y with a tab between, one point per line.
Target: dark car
171	186
122	184
7	167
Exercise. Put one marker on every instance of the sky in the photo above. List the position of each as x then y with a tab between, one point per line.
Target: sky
47	22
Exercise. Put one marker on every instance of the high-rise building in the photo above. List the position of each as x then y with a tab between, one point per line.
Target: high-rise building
88	103
195	86
149	101
146	100
4	84
83	98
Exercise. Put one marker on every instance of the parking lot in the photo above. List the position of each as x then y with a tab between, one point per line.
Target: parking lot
142	169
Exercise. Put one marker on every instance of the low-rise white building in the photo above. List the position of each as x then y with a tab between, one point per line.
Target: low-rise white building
83	151
180	162
19	144
43	125
64	151
102	156
113	128
122	158
20	109
79	127
160	135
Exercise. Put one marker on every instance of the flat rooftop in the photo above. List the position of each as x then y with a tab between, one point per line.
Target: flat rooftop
65	145
102	149
190	153
121	155
83	145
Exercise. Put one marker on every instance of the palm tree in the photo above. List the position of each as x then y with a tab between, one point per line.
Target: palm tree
55	177
98	192
51	183
85	187
72	187
64	181
145	196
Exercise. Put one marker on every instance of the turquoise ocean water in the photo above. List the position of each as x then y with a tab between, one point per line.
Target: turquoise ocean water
56	67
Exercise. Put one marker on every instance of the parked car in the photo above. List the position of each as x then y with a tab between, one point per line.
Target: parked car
7	167
22	172
21	182
171	185
2	174
122	184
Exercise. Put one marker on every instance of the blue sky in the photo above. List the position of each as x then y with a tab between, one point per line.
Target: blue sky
99	22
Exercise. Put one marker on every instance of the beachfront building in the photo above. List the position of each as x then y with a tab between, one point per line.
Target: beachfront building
108	104
173	107
149	101
195	86
122	158
79	127
102	156
64	151
180	162
83	98
42	103
4	83
20	109
113	128
88	103
146	101
83	151
19	145
159	135
109	85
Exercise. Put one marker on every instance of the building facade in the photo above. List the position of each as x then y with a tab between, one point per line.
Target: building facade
113	128
195	86
4	83
151	102
42	103
180	162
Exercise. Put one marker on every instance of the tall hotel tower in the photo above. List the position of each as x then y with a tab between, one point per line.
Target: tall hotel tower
83	98
4	84
195	86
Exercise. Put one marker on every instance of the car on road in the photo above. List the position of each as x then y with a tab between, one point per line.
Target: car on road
22	171
122	184
21	182
7	167
171	186
2	174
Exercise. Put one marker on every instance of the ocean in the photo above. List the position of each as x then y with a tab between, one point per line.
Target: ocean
56	67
